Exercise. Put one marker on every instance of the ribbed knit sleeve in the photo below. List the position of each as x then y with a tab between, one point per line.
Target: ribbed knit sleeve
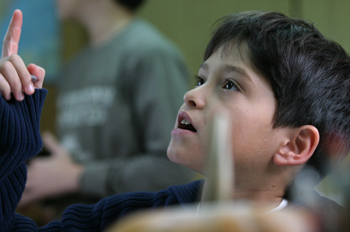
19	140
100	216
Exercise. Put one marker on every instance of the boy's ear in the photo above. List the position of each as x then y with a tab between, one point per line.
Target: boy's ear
298	147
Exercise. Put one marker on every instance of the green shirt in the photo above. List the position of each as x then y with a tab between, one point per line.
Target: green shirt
117	105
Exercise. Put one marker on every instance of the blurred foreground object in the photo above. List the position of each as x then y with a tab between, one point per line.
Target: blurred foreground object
218	217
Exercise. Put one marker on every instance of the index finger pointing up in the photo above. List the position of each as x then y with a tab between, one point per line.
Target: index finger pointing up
13	34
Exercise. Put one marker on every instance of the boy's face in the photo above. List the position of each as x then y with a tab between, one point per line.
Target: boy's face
228	83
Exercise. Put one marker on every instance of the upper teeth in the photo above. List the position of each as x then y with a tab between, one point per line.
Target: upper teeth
185	121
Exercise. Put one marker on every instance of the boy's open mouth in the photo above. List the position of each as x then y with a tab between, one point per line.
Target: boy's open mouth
186	125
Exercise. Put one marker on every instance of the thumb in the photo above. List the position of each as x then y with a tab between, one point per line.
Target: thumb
51	143
38	72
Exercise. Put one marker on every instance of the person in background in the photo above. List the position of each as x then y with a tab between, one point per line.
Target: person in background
116	105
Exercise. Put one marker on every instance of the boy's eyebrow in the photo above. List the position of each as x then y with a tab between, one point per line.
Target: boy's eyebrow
203	66
230	68
238	70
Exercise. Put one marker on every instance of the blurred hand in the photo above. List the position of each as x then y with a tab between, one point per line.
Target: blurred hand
53	175
14	75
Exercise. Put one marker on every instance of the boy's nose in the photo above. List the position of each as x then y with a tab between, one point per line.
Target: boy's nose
194	98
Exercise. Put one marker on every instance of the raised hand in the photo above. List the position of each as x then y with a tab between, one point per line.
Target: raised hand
15	77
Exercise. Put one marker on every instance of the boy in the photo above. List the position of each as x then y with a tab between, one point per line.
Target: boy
286	89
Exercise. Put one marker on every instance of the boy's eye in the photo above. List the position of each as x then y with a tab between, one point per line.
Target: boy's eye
228	84
199	81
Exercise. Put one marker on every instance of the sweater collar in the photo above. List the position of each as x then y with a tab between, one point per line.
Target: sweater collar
188	193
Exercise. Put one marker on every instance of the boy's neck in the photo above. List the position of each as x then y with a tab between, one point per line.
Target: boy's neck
270	198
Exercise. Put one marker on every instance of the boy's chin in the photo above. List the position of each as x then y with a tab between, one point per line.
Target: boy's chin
184	158
177	155
173	154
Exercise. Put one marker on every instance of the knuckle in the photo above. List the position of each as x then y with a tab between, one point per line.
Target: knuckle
14	58
6	65
5	89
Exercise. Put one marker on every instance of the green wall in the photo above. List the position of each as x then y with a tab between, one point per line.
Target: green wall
188	22
331	17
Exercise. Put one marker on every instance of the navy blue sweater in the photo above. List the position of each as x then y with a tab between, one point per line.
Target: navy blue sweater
20	140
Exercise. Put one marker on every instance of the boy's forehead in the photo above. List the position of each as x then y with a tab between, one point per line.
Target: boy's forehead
228	54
